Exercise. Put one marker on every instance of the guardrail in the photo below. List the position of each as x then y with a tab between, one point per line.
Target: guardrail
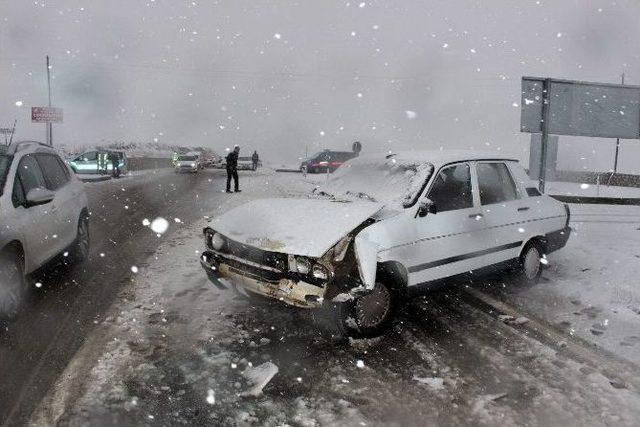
145	163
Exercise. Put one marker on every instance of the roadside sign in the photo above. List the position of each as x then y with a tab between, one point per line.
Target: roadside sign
46	115
581	108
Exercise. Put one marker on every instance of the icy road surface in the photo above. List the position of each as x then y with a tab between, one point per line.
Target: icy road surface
174	350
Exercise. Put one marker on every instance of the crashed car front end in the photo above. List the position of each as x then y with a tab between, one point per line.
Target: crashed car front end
300	281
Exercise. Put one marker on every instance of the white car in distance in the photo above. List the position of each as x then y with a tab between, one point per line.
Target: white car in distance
43	214
382	227
190	162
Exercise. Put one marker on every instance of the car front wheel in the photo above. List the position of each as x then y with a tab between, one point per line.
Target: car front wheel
12	284
365	316
80	248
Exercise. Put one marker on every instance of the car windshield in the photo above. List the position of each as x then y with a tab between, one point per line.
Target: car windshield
187	158
388	180
5	162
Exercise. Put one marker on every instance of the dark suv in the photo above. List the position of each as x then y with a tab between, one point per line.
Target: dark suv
326	160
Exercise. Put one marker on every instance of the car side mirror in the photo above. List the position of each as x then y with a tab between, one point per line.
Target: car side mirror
39	196
425	207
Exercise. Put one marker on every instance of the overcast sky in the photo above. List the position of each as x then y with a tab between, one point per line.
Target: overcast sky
279	76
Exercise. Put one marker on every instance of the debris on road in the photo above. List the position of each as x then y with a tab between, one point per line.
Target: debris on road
435	383
259	376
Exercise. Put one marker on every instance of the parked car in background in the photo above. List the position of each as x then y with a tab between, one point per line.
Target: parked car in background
189	162
326	161
43	213
382	227
89	162
245	163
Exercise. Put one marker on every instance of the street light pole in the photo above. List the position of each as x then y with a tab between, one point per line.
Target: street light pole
49	125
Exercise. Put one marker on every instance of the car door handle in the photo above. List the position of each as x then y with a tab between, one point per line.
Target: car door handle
476	216
522	209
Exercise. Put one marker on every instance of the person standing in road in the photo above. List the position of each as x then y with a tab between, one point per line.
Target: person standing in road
232	169
115	164
255	159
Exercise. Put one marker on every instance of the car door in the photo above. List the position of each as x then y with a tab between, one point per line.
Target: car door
38	222
504	209
64	207
446	241
87	162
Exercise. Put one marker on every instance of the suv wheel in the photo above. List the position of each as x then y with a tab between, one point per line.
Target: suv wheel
366	316
80	249
12	283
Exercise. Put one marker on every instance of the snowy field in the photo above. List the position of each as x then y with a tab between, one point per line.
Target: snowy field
175	350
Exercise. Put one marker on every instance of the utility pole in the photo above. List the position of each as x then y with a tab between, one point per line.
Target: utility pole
13	130
49	125
615	162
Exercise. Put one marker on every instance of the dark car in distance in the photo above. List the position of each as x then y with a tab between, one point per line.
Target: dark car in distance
326	161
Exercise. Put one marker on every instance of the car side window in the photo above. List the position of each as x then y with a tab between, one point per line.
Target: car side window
17	196
495	183
452	189
54	173
91	156
30	174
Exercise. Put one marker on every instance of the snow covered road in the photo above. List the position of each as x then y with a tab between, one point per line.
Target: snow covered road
174	350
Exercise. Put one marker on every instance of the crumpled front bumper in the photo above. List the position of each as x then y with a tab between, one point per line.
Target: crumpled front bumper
296	293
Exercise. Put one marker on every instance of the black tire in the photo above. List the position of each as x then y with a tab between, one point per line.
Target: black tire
529	266
13	285
79	251
366	316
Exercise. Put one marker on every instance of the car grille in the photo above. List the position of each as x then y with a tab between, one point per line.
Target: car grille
275	260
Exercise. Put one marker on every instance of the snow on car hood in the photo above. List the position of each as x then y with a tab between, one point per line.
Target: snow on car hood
307	227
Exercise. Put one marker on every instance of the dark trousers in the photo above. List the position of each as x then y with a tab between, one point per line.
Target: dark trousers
232	173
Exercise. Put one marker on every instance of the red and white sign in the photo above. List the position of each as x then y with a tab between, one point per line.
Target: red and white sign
46	115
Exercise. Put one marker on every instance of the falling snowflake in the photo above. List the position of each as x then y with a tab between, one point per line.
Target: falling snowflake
159	225
211	397
411	114
277	36
134	269
360	364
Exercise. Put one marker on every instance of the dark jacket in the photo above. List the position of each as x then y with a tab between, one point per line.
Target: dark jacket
232	161
255	158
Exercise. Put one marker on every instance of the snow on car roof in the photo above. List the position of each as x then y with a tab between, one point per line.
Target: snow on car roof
442	157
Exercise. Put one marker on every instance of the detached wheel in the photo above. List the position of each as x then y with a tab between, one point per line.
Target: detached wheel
530	267
80	249
366	316
13	286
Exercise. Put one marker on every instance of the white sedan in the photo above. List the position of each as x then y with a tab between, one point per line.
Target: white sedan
383	226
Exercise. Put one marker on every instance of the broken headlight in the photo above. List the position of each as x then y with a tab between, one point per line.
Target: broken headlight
303	265
320	272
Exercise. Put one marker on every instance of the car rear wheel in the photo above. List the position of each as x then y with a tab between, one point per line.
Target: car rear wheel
80	248
366	316
12	283
530	267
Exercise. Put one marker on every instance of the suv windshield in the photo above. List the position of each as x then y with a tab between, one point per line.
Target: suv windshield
187	158
390	181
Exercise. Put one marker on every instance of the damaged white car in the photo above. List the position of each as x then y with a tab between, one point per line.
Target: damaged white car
384	226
